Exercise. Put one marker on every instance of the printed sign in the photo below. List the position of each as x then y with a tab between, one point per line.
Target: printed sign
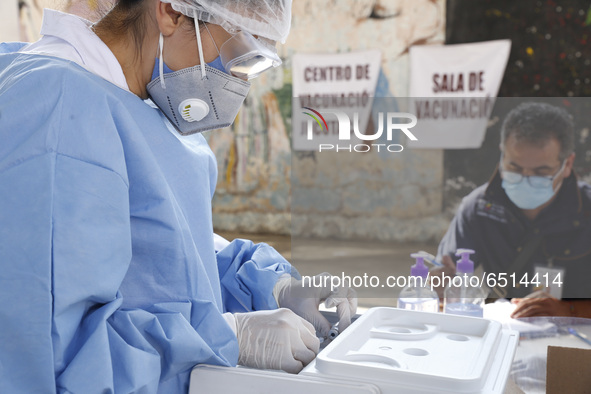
330	89
452	92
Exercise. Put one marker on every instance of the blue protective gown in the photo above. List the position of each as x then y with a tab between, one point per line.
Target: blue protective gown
108	276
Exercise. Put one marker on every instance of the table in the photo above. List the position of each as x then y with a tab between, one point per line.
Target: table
529	364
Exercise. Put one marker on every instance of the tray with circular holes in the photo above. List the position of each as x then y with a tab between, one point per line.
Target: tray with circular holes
421	352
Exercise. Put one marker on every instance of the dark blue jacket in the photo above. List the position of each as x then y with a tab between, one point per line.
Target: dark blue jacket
488	222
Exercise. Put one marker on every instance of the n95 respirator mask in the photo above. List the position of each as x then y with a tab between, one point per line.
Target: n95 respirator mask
194	103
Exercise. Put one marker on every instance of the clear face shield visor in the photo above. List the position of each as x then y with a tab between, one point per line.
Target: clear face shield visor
246	57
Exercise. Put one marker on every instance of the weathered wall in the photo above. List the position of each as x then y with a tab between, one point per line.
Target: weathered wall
401	199
29	14
9	21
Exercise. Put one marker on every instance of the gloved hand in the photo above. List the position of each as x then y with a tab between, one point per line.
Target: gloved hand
530	373
305	300
275	339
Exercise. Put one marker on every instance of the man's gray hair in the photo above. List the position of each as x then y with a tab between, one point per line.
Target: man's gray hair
537	123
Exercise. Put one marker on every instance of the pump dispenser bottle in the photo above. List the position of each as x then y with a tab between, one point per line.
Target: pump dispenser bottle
464	296
417	296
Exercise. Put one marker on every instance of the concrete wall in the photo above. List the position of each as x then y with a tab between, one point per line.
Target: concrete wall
395	199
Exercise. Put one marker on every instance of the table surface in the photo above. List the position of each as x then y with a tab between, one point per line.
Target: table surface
536	334
529	363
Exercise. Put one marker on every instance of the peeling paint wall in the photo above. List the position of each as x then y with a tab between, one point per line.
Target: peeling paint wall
255	161
257	169
9	28
27	25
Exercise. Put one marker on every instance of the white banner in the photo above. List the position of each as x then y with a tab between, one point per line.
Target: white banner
452	92
326	84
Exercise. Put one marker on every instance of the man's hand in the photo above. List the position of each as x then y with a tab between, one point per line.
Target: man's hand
448	269
540	304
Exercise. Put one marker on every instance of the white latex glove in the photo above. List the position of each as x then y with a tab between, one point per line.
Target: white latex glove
530	373
275	339
305	301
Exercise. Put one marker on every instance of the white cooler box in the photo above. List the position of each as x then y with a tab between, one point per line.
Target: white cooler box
388	350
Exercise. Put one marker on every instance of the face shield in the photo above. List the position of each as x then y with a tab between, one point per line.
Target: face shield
203	98
246	57
256	26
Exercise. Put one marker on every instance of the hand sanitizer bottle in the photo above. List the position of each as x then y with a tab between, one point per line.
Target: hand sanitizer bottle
464	296
417	296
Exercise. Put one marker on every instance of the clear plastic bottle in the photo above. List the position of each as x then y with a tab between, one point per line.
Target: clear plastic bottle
417	296
462	297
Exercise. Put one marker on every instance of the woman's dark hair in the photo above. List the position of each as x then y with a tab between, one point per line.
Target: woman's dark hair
126	17
129	17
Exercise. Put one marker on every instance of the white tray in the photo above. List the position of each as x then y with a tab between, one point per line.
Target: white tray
419	352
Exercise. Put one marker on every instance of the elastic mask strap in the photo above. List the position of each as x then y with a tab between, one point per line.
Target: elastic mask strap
161	61
558	173
201	58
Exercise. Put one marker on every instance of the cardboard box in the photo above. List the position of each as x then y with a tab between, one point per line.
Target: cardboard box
568	370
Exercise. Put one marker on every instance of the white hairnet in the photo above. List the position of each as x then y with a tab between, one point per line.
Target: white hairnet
270	19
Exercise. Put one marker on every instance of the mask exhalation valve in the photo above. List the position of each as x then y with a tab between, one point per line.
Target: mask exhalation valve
193	110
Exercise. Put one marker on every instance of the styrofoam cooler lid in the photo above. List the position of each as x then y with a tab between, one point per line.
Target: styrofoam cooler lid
207	379
430	352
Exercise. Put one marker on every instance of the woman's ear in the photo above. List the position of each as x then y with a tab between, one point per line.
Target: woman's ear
168	19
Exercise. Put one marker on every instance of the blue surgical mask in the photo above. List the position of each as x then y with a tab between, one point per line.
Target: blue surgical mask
217	64
526	196
155	73
529	192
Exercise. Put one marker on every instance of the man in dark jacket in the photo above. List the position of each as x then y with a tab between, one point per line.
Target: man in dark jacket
530	225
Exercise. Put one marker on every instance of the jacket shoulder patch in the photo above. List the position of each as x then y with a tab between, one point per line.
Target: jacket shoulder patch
491	210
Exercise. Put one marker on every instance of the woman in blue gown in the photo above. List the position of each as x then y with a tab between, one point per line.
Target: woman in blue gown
110	281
